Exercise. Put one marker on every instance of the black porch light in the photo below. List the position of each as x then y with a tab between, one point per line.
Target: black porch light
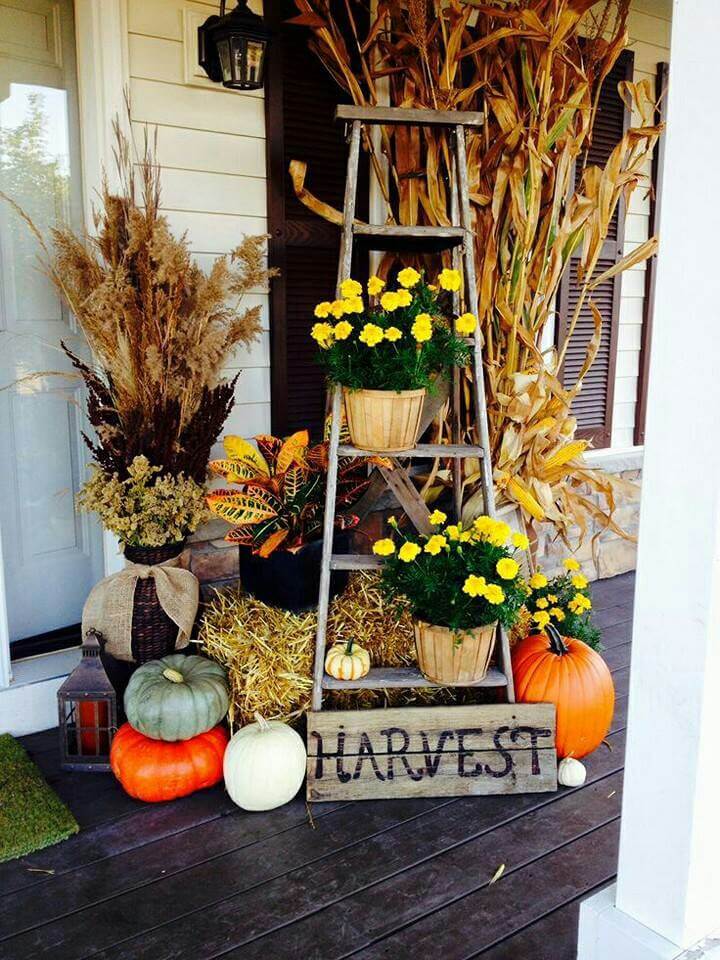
232	48
87	708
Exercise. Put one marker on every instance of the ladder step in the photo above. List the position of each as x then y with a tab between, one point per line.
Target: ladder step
411	239
411	115
430	450
382	678
354	561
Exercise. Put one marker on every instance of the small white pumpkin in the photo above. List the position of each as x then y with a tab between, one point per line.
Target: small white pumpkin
571	773
347	661
264	765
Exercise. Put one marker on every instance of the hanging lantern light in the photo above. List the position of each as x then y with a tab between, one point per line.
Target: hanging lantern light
87	707
233	46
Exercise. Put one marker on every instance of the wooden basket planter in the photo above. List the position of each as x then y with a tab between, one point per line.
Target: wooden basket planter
383	420
153	632
447	657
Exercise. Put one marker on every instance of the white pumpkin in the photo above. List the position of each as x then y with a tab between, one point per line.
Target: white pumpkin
571	773
264	765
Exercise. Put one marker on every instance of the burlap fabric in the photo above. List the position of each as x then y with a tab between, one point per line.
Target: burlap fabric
109	608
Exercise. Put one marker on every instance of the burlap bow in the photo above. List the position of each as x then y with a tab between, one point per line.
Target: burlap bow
109	608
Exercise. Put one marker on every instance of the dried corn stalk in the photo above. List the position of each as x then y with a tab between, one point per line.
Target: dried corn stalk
536	67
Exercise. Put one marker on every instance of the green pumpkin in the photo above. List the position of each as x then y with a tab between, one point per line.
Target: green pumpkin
176	698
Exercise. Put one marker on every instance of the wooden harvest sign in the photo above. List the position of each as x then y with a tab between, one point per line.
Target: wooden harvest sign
431	751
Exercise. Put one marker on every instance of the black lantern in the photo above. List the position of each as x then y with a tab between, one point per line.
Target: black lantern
87	707
232	48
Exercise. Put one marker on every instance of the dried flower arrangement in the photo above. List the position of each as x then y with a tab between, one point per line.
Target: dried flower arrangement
161	331
535	67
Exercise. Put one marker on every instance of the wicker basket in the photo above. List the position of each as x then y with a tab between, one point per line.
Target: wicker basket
383	420
454	658
153	632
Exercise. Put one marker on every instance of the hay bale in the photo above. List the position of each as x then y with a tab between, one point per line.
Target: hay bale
269	652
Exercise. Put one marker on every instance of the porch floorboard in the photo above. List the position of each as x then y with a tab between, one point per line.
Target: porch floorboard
199	878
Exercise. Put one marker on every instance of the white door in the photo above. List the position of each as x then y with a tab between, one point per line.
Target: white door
52	555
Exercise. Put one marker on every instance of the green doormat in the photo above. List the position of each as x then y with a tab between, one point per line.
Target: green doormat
32	815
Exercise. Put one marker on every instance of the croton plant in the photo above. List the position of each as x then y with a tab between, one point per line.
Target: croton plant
281	497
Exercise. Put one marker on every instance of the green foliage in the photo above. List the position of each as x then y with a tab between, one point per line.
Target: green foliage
440	587
558	598
401	364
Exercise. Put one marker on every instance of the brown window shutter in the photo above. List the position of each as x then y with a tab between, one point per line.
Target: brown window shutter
300	110
593	406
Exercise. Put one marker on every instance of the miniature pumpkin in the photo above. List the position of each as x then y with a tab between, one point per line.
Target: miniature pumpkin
177	697
264	765
571	773
347	661
154	770
549	668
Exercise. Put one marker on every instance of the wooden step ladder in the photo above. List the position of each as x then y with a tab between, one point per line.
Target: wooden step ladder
417	239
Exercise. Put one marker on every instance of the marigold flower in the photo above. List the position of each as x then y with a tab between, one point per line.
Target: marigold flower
494	594
541	618
520	541
351	288
422	328
343	329
579	581
571	564
389	301
392	334
322	333
507	568
499	533
435	544
408	551
338	309
404	298
450	279
383	548
322	310
557	613
580	603
371	334
375	285
475	586
542	603
552	598
466	323
437	517
354	305
408	277
454	531
538	581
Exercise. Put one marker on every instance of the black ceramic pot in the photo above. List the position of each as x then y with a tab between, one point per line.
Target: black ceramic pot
291	580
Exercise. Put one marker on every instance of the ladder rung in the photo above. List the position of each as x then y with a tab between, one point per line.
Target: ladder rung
354	561
412	239
412	115
456	450
381	678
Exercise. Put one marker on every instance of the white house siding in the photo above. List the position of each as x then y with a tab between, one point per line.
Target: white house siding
649	28
211	146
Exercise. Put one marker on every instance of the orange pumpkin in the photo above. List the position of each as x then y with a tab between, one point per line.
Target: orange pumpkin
156	770
549	668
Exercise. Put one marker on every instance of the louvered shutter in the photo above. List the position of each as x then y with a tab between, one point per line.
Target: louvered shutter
593	406
301	98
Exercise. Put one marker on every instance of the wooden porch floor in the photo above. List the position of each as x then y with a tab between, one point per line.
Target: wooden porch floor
198	878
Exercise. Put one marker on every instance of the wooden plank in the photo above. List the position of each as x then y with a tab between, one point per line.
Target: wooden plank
617	657
355	561
413	116
244	911
383	678
454	450
408	497
482	918
407	239
456	879
431	752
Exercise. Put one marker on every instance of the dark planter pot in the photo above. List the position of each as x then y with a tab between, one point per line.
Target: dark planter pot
291	580
153	632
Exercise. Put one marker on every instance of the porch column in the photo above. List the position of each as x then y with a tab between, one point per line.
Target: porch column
667	897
